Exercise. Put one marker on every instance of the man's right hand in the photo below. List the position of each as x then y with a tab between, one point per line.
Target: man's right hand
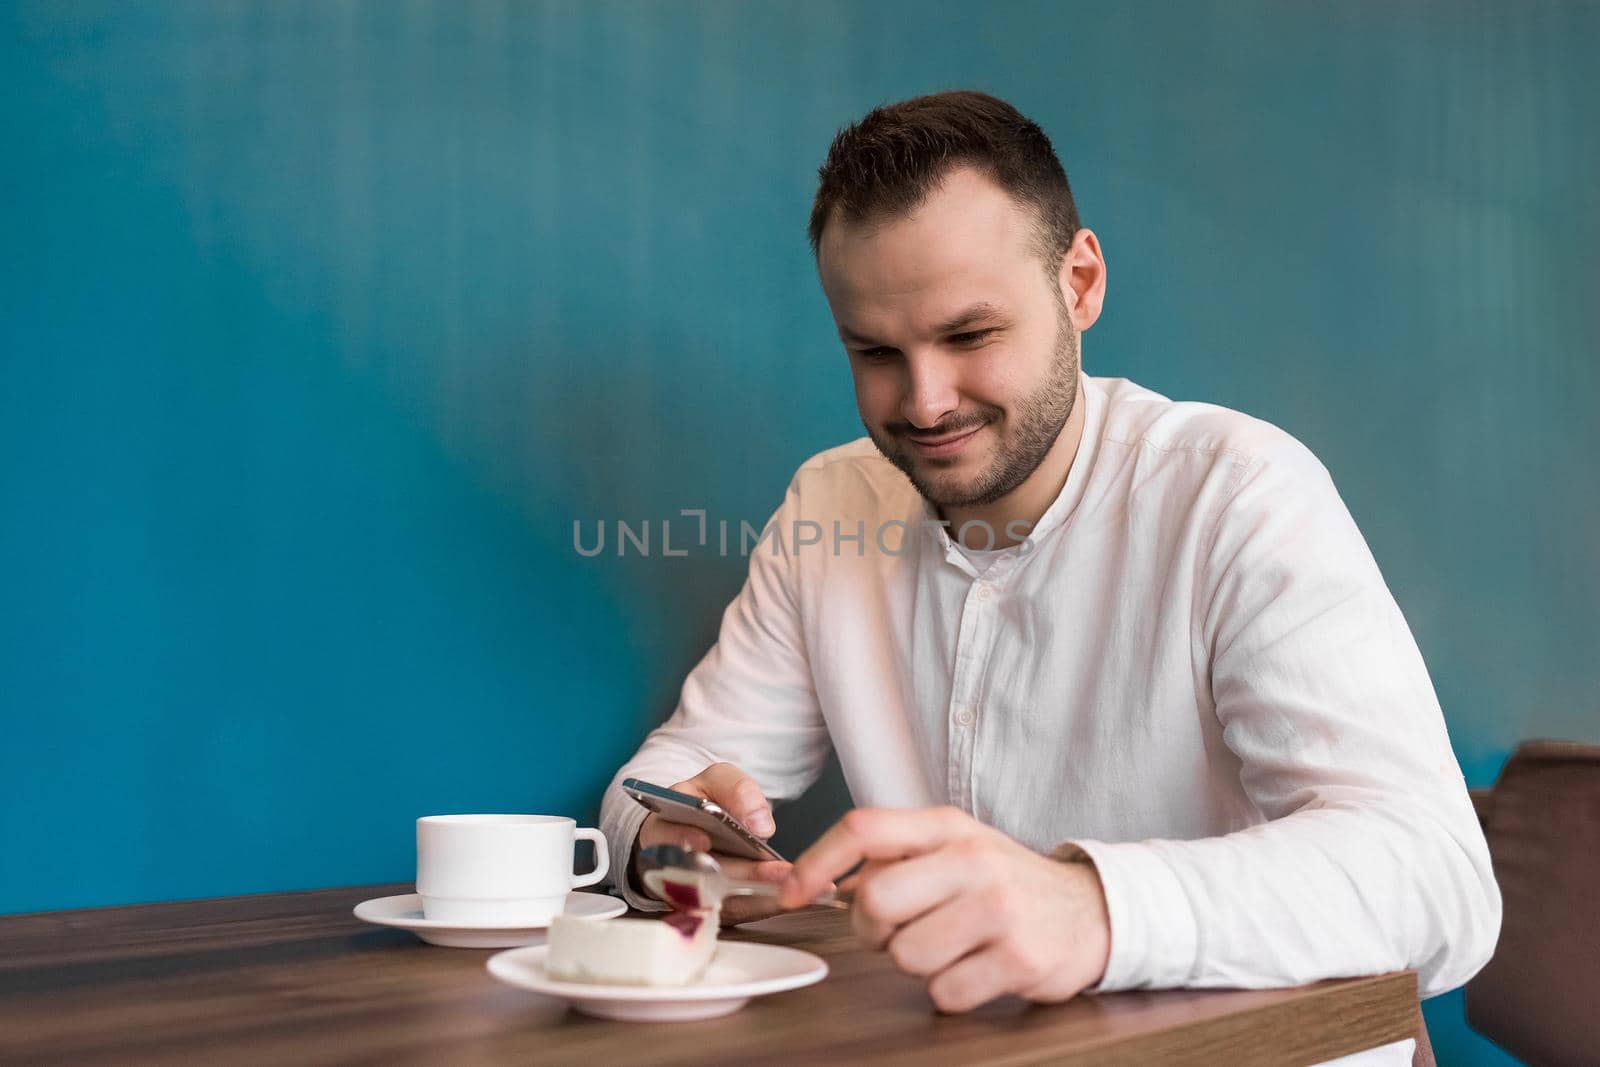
740	796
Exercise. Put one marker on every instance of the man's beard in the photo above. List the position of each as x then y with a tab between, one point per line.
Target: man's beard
1035	424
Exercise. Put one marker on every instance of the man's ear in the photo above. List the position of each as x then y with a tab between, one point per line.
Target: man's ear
1083	279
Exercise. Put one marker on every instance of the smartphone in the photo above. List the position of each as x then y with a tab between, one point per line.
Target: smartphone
728	835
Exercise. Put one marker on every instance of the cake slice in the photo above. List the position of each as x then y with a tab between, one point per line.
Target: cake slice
673	950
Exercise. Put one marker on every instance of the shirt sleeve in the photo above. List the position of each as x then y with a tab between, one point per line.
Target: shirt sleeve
749	702
1371	859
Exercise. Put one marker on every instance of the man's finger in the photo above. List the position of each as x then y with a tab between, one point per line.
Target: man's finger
744	870
871	834
739	795
972	981
851	882
888	896
935	941
657	830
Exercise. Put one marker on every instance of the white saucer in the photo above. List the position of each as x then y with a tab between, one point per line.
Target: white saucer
740	970
405	911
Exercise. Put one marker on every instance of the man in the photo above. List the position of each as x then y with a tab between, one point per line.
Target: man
1115	682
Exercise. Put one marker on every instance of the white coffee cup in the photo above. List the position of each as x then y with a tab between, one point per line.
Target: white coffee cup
511	869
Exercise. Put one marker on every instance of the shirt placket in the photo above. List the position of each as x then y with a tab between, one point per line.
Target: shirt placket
974	643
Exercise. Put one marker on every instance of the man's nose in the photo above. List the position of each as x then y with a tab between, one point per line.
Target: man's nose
930	394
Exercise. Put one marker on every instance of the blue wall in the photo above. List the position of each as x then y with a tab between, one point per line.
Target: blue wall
321	324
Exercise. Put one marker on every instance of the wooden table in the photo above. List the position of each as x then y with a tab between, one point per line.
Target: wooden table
295	978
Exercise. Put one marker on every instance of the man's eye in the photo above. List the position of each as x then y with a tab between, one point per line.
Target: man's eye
876	354
971	338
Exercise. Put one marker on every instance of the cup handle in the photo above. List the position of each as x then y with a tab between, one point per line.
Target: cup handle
602	858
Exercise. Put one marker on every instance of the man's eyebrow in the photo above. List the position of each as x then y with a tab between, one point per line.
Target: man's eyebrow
979	312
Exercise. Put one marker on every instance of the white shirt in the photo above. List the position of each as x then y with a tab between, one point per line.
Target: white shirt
1192	670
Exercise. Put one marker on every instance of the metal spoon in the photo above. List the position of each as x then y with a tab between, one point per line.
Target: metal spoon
665	859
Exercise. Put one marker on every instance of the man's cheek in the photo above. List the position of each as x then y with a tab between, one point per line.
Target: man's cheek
876	400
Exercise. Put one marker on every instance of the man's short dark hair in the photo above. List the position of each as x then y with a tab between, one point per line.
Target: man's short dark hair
885	165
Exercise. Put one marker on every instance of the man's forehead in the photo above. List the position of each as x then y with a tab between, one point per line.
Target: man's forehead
967	235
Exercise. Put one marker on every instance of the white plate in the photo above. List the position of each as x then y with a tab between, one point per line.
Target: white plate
740	970
405	911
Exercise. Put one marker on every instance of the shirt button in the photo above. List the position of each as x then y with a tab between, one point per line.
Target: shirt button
984	592
964	717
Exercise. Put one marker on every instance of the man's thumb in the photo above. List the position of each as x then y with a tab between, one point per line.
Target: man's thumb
741	797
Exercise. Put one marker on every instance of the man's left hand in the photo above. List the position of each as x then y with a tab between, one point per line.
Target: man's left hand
962	904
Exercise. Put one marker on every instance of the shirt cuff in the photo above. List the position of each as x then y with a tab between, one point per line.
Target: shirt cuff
1154	936
620	837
